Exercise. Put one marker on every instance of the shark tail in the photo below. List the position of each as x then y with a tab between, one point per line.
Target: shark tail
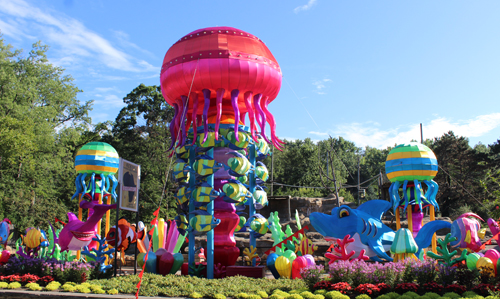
425	234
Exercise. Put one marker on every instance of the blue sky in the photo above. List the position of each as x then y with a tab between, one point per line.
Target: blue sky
369	71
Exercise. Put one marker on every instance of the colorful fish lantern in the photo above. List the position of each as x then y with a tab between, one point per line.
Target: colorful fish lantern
182	152
259	225
126	236
182	223
205	166
181	170
241	224
4	232
203	194
203	221
182	197
238	165
263	149
239	142
485	264
235	192
260	197
471	260
261	171
35	238
283	266
466	231
96	160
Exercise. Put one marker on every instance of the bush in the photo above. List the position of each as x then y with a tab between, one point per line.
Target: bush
469	294
432	295
52	286
219	296
276	296
455	288
68	287
239	295
294	296
363	296
342	287
452	295
3	285
383	297
262	294
311	275
392	295
320	292
406	287
432	287
115	292
82	289
14	285
411	294
307	295
484	289
33	286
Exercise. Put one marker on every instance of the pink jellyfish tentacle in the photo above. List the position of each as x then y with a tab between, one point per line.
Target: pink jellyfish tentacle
234	102
206	95
251	114
272	124
172	127
258	107
183	121
258	119
218	108
178	122
194	117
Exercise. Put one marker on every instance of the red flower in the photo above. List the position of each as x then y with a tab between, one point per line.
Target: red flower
342	287
367	288
406	287
482	289
384	288
459	289
432	287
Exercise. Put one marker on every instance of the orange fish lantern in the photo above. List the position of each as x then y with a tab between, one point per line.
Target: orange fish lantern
126	236
227	74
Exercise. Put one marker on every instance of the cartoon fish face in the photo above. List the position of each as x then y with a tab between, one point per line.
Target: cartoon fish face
181	170
203	223
236	192
4	231
205	166
263	146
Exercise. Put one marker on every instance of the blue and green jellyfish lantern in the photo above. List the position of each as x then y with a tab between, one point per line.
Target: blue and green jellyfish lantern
97	161
408	166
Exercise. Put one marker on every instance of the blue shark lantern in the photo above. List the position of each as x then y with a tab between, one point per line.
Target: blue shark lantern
365	226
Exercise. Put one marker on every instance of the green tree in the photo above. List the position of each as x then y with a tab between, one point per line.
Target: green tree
140	134
41	121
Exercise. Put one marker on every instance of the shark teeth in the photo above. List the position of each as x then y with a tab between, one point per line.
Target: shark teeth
83	236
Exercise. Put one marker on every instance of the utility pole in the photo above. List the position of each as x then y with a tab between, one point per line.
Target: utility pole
272	170
359	181
334	180
421	134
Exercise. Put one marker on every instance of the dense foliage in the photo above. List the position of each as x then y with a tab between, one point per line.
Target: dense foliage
42	126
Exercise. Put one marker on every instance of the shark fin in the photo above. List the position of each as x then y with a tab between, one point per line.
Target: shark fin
375	208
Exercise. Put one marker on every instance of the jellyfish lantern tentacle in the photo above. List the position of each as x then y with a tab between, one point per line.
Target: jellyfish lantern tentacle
251	113
234	103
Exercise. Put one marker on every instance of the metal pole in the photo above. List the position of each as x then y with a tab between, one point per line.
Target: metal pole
272	170
359	181
210	233
335	181
192	183
116	234
421	134
251	206
136	228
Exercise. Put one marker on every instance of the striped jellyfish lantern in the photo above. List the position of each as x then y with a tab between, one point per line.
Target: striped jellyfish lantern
404	246
96	160
408	166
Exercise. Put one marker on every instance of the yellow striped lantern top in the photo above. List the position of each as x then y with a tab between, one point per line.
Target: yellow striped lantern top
411	161
97	157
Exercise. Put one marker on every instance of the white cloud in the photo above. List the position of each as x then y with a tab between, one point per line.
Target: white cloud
12	28
320	85
371	134
70	34
319	133
307	6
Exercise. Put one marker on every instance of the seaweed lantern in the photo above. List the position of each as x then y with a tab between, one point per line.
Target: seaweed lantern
408	166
